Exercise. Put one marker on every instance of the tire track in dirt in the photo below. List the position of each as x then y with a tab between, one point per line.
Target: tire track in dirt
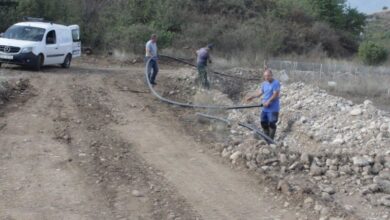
118	169
38	181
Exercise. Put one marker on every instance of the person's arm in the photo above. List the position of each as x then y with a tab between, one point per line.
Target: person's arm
258	94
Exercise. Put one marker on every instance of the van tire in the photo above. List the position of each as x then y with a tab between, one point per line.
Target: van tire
39	64
0	64
67	61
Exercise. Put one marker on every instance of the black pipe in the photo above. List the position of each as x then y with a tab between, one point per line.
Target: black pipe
248	126
188	105
215	72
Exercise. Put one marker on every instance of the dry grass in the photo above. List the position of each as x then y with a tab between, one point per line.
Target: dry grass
123	56
342	78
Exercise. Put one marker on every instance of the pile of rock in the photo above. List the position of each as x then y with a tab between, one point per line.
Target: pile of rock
340	147
11	87
337	147
334	123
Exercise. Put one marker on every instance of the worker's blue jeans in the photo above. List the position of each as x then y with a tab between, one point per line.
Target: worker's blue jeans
268	122
152	70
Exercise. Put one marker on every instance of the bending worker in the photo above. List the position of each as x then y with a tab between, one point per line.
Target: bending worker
203	55
151	53
270	90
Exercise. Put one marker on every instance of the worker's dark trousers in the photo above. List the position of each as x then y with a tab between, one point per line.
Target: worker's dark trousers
204	82
268	123
152	70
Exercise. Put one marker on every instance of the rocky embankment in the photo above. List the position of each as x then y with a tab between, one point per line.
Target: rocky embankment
337	149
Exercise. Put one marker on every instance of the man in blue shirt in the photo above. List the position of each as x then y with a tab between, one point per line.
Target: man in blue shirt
151	53
270	90
203	55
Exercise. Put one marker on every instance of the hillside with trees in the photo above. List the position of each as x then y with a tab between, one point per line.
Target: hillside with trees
378	28
237	28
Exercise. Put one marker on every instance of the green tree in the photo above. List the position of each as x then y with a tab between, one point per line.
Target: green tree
372	54
7	14
338	15
354	21
330	11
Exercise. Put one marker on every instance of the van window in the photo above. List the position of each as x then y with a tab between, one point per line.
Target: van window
27	33
51	37
76	35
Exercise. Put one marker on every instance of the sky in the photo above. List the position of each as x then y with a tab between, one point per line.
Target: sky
369	6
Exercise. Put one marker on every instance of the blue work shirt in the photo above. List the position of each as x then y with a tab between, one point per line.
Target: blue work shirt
268	89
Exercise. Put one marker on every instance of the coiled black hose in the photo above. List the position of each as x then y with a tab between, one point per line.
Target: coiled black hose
188	105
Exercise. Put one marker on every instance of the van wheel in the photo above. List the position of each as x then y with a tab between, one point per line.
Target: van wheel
67	61
39	64
0	64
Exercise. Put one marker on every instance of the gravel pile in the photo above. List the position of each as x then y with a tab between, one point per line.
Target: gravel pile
340	147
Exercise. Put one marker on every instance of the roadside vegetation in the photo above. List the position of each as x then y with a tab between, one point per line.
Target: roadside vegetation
247	28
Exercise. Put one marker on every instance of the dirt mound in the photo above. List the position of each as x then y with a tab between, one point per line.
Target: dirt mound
333	123
9	88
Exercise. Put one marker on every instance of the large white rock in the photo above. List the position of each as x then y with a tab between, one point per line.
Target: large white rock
367	103
338	141
332	84
356	112
235	155
362	161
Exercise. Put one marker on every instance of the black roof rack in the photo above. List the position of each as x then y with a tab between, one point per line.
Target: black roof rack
32	19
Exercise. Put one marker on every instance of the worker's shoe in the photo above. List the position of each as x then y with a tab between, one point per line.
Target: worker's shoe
272	132
266	131
265	127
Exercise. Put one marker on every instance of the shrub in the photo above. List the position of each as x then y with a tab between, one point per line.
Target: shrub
372	54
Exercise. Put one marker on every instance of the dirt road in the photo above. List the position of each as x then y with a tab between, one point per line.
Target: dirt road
93	144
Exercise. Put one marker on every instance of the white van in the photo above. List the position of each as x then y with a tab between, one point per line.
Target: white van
39	43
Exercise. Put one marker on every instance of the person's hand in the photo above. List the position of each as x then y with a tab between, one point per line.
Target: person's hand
266	104
248	99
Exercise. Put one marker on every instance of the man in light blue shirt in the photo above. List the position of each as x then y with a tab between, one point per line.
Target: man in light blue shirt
151	53
270	90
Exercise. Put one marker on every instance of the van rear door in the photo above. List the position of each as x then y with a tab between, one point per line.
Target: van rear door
76	48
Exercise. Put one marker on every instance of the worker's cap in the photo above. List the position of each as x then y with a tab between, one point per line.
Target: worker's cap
210	46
